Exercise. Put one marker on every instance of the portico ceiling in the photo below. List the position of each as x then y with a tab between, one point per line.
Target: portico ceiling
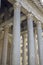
38	4
33	6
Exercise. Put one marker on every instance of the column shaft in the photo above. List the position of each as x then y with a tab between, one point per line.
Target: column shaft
16	36
36	48
31	40
24	42
40	42
5	46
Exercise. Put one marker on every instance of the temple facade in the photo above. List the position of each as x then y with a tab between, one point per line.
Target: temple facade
21	32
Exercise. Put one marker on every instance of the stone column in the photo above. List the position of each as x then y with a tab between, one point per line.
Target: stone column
40	42
5	45
31	39
25	52
36	47
16	35
21	50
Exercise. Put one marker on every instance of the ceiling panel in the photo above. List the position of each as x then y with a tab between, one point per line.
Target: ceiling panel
38	4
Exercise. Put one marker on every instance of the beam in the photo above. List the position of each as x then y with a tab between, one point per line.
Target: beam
10	22
30	7
38	5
